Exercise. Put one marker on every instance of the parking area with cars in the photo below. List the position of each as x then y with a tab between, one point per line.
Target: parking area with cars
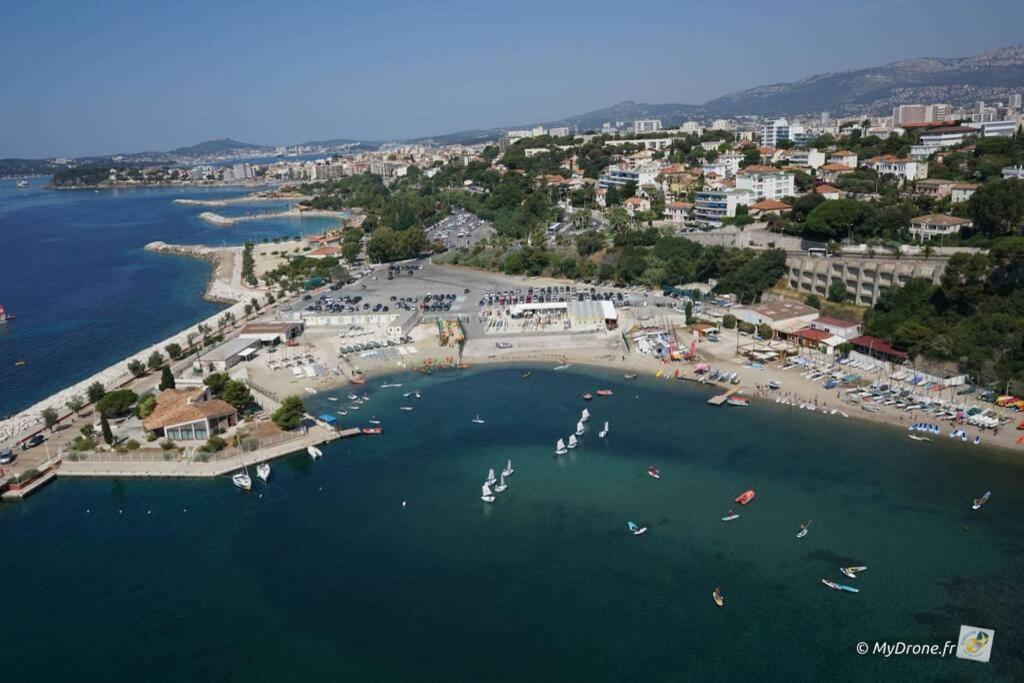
460	229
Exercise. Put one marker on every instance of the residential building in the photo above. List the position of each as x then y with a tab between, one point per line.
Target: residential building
939	225
961	192
805	158
766	206
647	126
559	132
907	170
991	129
189	415
712	206
781	130
828	191
830	173
1011	172
909	114
766	181
934	187
601	197
721	124
691	127
618	176
843	157
636	205
678	212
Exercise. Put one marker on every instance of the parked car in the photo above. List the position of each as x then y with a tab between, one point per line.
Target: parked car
7	456
33	441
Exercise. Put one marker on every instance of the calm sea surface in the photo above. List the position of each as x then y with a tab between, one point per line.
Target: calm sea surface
323	575
73	271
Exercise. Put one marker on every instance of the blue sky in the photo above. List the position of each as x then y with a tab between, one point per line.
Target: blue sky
93	78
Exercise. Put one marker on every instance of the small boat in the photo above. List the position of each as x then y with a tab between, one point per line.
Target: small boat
587	396
485	494
263	471
19	362
331	398
310	390
371	430
852	571
630	375
563	366
716	595
572	441
22	184
342	412
477	419
579	428
353	397
373	420
978	502
839	587
407	394
560	448
314	452
804	528
745	497
526	375
637	530
389	386
501	484
357	380
731	516
417	394
773	385
738	401
915	437
405	408
654	472
353	407
490	477
604	392
604	432
585	415
508	471
977	440
242	481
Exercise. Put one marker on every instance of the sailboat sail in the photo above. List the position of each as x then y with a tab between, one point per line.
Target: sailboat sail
572	441
560	445
633	527
490	476
585	416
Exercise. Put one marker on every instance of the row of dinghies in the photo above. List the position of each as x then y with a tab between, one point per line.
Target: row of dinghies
493	485
561	447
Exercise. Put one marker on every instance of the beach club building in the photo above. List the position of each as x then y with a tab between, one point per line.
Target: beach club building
878	348
271	334
189	415
846	329
230	353
783	316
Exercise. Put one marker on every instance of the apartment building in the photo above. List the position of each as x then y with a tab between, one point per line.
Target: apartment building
712	206
646	126
766	181
781	130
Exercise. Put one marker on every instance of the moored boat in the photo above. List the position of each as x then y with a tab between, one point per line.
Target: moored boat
745	497
263	471
371	430
242	481
630	375
738	401
654	472
587	396
604	392
314	452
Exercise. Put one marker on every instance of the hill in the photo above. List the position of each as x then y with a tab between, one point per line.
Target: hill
217	146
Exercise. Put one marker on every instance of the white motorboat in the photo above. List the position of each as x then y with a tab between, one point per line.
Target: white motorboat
501	484
263	471
314	452
486	495
490	477
332	398
560	448
572	441
507	472
242	481
405	408
579	428
604	432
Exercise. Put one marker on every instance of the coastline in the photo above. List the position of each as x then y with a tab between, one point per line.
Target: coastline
220	221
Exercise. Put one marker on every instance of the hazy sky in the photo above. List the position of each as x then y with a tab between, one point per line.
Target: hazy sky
93	78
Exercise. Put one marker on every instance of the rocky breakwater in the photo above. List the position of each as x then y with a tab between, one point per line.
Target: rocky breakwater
225	284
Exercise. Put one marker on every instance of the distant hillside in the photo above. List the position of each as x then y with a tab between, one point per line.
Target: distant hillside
218	146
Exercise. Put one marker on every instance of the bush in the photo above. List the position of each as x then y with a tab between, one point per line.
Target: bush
167	445
289	415
132	445
214	444
729	321
116	403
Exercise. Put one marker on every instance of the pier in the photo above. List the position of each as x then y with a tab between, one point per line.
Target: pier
722	398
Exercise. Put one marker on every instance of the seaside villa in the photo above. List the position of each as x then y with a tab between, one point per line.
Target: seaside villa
189	415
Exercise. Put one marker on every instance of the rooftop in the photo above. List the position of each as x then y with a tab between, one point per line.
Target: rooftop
781	310
178	406
939	219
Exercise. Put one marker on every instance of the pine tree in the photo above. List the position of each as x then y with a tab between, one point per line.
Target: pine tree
108	435
166	379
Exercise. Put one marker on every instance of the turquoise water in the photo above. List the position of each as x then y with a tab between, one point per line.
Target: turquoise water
322	575
73	271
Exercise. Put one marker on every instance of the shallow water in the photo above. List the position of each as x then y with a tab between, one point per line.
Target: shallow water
323	575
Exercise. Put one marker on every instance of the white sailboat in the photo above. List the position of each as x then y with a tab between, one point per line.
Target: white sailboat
490	477
507	472
314	452
604	432
263	471
560	448
572	441
486	495
501	484
585	415
579	428
242	481
477	419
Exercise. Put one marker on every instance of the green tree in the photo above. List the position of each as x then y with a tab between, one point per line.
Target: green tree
689	312
837	292
729	321
289	415
116	403
997	207
588	242
108	436
813	301
237	394
173	350
217	381
50	418
145	407
95	392
832	220
137	368
618	219
166	378
76	403
155	361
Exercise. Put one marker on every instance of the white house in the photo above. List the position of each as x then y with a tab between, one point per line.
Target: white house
937	225
839	328
635	205
1011	172
906	170
677	212
961	192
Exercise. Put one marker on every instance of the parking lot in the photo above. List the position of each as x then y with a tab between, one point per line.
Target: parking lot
461	229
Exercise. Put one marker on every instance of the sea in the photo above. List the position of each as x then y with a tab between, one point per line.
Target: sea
380	562
83	291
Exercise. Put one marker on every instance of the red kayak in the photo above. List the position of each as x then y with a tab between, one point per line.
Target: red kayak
604	392
745	497
372	430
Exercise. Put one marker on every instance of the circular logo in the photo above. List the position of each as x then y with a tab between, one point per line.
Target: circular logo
974	643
